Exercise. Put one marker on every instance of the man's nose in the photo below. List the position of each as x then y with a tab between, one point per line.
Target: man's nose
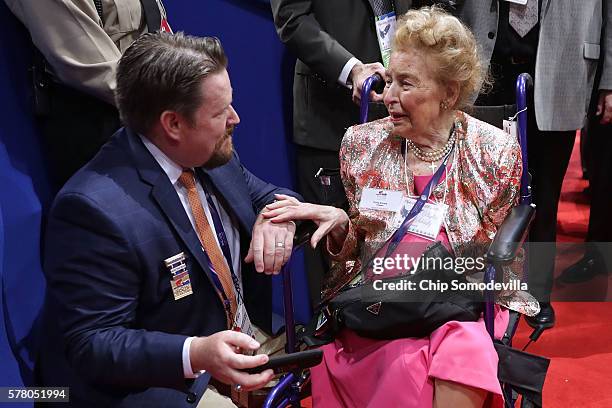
233	119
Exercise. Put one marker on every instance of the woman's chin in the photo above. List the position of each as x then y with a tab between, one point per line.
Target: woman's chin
401	129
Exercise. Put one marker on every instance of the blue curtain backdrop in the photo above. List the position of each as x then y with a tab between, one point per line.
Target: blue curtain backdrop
24	192
260	70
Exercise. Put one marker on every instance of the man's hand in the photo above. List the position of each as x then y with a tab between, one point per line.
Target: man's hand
219	354
271	244
331	221
604	106
360	73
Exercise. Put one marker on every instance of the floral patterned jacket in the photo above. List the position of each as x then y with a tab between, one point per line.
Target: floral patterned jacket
482	185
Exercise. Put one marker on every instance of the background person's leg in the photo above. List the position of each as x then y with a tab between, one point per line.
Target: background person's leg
308	162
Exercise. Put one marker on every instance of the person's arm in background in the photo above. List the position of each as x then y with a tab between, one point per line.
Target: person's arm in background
333	223
70	36
302	34
604	103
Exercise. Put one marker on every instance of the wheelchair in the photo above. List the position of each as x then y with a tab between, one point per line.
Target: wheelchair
519	373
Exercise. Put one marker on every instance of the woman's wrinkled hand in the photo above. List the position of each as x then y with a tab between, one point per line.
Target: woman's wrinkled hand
330	221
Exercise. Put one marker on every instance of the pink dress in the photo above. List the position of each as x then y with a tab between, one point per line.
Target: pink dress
360	372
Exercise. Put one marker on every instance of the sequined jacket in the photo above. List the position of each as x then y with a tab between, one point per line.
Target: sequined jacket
483	184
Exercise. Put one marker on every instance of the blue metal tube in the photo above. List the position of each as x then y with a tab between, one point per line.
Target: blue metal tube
288	304
523	82
365	96
284	385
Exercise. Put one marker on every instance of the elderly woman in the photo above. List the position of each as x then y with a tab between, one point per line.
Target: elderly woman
433	73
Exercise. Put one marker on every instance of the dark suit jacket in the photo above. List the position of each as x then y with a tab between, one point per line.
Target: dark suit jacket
573	36
110	307
324	35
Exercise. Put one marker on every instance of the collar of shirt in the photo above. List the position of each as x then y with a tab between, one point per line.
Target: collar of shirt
172	170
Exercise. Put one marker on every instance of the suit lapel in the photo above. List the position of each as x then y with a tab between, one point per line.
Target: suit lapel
544	10
165	195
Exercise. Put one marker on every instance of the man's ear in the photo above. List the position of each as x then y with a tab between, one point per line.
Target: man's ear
171	122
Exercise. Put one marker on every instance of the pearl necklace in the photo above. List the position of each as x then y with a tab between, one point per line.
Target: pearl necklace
435	155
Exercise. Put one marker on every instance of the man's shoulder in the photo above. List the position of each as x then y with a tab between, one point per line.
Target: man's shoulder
107	180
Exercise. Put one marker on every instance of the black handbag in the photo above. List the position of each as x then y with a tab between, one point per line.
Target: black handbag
393	314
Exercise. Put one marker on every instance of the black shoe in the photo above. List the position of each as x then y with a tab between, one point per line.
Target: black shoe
545	319
583	270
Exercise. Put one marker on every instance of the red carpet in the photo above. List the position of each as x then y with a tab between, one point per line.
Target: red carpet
579	346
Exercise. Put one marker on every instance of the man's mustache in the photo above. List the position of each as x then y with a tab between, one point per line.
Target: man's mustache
229	131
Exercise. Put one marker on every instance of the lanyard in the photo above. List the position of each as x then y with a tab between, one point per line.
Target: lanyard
417	207
223	243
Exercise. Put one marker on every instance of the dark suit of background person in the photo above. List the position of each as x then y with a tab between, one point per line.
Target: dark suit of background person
561	53
110	302
324	35
598	255
81	46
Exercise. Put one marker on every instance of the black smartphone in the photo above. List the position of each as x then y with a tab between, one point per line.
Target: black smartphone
290	362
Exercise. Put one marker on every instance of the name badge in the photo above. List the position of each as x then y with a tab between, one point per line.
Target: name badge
180	282
380	199
385	30
427	223
242	321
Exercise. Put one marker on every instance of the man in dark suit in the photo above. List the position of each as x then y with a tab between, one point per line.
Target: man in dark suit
148	290
337	47
559	43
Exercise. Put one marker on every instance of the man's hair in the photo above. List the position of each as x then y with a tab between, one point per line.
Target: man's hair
162	71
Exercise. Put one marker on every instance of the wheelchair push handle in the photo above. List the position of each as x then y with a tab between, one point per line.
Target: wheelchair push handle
365	96
524	82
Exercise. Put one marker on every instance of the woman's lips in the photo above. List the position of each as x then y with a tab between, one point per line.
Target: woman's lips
396	117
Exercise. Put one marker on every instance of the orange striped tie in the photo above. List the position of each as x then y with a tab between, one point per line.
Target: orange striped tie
209	243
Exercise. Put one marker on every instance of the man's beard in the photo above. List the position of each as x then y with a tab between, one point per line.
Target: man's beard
223	152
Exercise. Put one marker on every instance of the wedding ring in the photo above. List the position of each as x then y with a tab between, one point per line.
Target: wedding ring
280	244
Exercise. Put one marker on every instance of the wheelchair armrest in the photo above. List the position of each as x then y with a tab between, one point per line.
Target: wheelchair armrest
510	235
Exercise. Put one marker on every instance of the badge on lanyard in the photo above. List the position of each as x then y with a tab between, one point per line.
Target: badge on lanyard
427	223
180	280
385	30
381	199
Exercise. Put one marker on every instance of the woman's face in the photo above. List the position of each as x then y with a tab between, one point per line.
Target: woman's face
412	94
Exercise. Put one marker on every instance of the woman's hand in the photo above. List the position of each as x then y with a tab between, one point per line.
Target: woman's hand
330	220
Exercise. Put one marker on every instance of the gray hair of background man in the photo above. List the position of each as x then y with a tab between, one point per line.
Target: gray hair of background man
162	71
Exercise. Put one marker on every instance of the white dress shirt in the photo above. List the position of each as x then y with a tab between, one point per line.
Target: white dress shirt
174	171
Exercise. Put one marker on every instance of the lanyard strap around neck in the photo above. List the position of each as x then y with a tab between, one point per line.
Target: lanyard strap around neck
418	206
221	236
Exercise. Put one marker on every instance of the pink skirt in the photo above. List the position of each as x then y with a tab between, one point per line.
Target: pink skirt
359	372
